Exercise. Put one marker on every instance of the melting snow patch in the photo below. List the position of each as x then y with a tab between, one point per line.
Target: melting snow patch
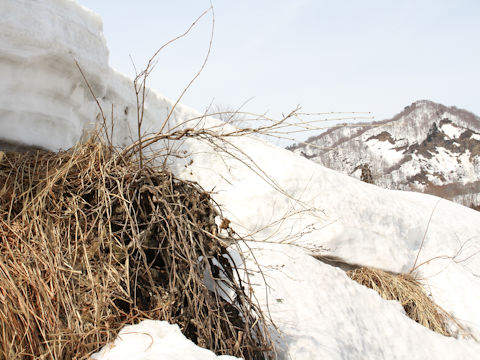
451	131
154	340
386	149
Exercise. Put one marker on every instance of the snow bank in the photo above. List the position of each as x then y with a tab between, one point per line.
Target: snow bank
325	315
319	311
360	223
154	340
44	101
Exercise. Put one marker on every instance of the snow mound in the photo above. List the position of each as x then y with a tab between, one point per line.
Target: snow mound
154	340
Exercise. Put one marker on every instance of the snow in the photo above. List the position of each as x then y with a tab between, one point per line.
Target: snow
323	300
286	205
154	340
452	131
444	167
390	155
360	223
40	42
446	161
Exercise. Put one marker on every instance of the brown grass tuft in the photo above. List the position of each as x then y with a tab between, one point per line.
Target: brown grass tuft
89	242
405	289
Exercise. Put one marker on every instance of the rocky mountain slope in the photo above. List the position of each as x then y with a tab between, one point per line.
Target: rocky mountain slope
428	147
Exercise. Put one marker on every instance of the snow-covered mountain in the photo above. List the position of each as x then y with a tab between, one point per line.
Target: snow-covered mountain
287	210
428	147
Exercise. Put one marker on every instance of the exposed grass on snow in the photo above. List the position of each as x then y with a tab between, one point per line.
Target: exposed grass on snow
409	292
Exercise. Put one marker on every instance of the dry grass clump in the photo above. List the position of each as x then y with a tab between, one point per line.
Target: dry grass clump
405	289
89	242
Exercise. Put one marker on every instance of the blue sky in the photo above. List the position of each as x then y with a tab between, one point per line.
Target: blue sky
343	55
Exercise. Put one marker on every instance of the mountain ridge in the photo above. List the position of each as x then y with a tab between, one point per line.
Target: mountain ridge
427	147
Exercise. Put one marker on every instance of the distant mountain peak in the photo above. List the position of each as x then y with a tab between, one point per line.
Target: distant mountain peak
427	147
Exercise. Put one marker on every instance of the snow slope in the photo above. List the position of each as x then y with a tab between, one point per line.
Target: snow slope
289	209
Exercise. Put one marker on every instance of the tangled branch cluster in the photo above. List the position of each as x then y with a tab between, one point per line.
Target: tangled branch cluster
89	242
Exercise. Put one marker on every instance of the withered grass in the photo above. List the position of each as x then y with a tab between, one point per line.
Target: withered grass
90	242
409	292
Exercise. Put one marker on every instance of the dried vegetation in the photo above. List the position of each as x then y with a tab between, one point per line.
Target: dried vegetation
409	292
90	242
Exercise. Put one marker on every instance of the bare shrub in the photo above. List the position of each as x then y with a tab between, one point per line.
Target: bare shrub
90	242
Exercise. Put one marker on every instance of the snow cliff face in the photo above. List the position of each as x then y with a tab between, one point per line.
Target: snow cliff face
40	90
46	102
428	147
